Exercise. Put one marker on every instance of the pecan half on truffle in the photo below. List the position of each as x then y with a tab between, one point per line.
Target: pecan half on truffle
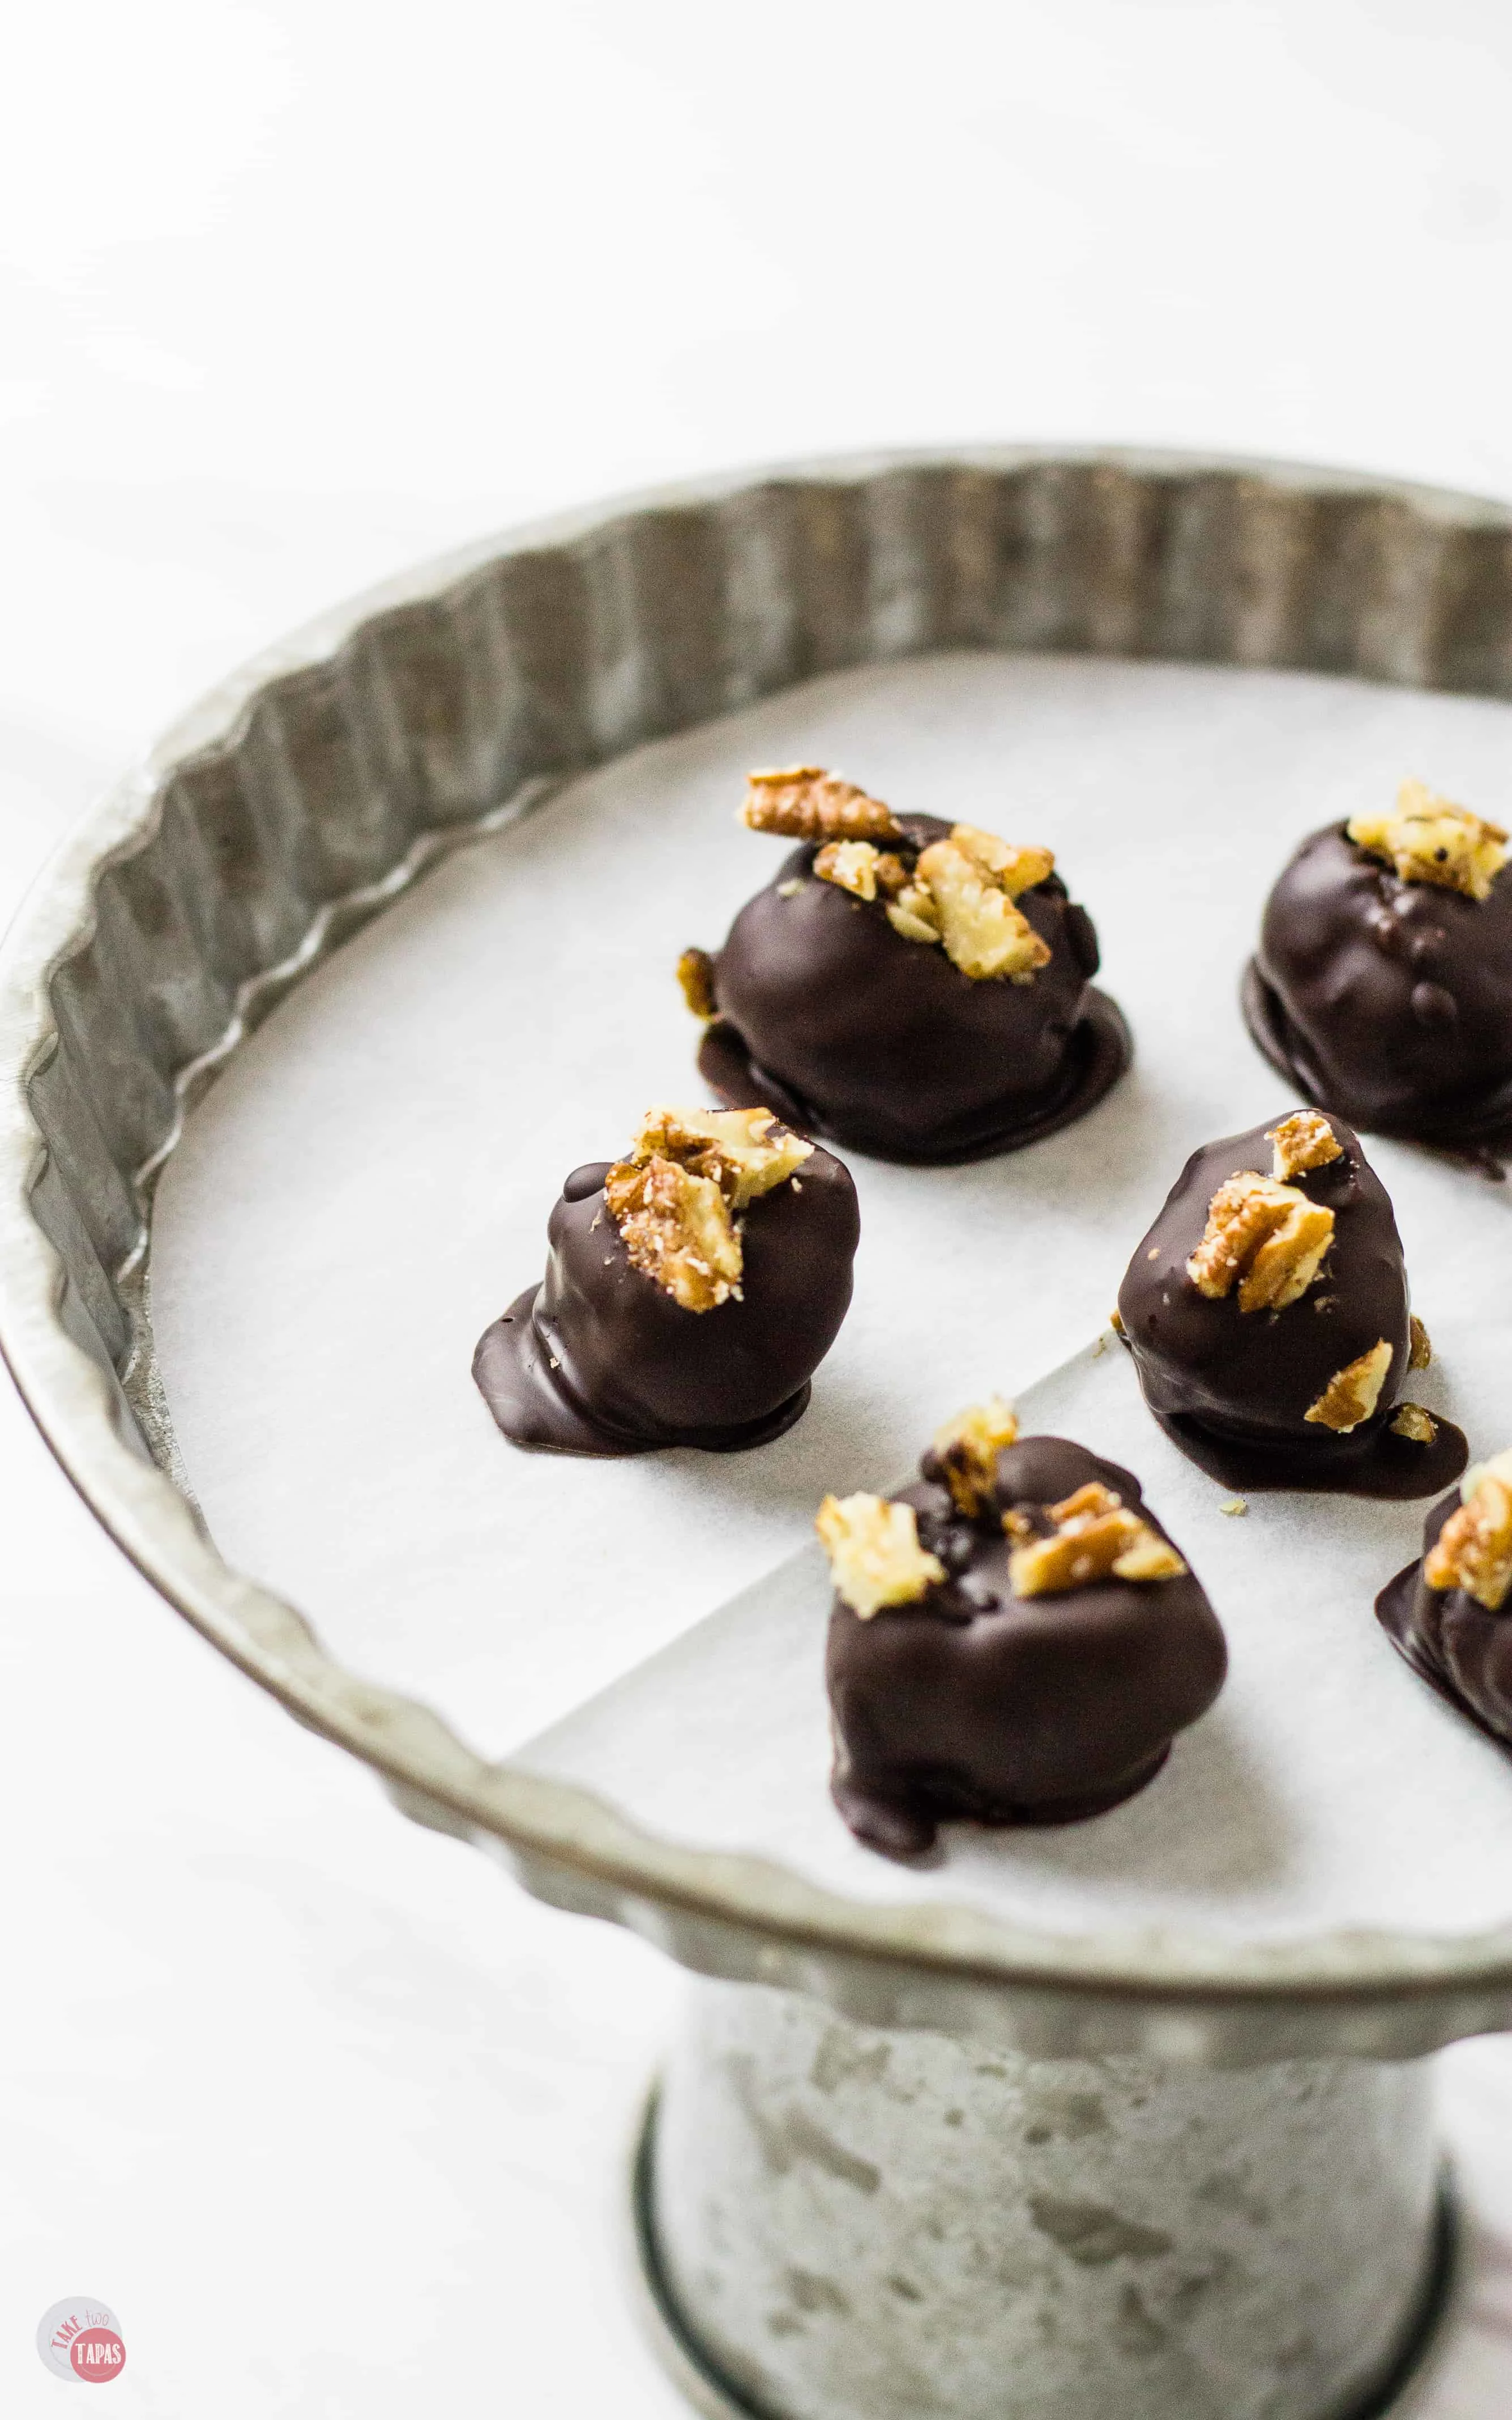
916	988
692	1290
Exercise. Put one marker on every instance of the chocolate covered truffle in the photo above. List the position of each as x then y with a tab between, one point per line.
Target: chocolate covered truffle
1448	1614
916	990
1014	1641
691	1291
1268	1316
1382	983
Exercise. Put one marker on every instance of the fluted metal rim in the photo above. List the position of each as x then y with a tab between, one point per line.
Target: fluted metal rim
1174	1992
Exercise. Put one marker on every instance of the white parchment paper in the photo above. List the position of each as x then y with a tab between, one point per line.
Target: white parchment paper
368	1185
1327	1787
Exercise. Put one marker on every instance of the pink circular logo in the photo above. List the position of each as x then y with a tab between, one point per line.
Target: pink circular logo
96	2354
81	2339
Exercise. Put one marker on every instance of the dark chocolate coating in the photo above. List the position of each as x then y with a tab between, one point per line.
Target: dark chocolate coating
600	1359
1456	1645
1390	1001
1012	1710
850	1030
1231	1388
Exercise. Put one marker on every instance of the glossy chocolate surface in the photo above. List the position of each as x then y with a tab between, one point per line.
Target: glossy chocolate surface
600	1360
1389	1002
845	1029
1455	1644
1231	1388
1012	1710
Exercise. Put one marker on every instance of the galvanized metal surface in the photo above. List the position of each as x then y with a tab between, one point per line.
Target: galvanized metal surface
316	787
847	2224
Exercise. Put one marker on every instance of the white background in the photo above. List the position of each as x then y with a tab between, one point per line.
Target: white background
289	295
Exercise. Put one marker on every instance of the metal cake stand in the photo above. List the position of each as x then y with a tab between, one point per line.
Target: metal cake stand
904	2160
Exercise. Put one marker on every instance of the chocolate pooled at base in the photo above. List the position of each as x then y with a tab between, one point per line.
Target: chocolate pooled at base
846	1013
972	1700
1447	1613
602	1357
1269	1321
1382	983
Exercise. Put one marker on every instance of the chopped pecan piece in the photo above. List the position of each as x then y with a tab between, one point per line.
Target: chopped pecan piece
695	972
1473	1549
1088	1503
1095	1538
1411	1420
1012	869
1421	1352
1147	1558
745	1152
1304	1140
677	1228
1352	1393
676	1197
1267	1236
914	914
875	1558
984	934
966	1449
851	865
1428	840
804	803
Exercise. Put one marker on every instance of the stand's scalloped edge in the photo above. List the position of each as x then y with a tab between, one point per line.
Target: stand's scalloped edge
315	787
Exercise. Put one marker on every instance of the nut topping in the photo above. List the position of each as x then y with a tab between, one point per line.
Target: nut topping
745	1152
1473	1549
1267	1236
1095	1538
850	865
804	803
676	1198
1352	1393
966	1449
1147	1557
695	972
1410	1421
1304	1140
855	866
984	934
1421	1351
1429	840
914	914
875	1558
961	891
1012	869
677	1228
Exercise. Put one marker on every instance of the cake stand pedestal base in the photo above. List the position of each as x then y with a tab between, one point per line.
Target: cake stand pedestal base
839	2224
